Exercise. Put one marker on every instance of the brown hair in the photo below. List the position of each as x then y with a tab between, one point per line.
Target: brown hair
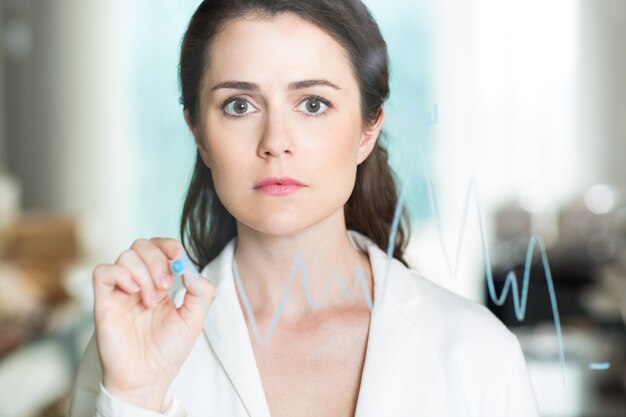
206	226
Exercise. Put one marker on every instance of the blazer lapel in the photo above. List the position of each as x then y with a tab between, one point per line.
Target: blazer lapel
398	353
226	330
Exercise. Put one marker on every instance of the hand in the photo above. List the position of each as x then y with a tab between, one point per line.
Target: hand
143	339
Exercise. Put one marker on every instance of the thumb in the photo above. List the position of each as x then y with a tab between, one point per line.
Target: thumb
198	297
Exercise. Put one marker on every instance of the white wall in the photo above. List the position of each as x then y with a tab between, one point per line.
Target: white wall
69	104
3	139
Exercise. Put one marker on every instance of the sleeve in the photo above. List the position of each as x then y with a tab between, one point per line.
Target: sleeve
91	399
516	397
109	406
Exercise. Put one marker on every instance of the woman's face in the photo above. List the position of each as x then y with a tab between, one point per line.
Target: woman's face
281	124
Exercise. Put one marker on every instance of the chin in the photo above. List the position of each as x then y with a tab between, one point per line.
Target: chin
281	223
277	225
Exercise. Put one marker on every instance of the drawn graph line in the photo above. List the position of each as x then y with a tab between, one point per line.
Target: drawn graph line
298	267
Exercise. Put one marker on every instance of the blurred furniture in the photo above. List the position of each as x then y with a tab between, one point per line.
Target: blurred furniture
42	327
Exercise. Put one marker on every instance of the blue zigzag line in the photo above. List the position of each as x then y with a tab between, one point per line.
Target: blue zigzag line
298	265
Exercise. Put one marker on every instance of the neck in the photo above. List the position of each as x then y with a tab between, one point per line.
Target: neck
322	253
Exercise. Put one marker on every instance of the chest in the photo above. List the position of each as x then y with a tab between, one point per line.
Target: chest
314	373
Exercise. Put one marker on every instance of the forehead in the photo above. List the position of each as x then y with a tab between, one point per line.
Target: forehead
277	49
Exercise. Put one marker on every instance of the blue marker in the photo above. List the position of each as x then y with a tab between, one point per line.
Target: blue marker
183	264
178	267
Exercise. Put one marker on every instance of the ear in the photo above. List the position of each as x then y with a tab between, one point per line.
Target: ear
198	139
369	137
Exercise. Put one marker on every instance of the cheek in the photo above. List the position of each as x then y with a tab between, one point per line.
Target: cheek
336	146
336	160
227	165
227	171
230	181
225	142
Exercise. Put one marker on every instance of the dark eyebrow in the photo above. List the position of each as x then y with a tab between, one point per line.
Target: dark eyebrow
296	85
237	85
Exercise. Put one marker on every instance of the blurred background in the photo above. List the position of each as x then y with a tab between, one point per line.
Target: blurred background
506	125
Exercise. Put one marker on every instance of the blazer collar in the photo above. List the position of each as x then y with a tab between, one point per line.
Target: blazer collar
226	329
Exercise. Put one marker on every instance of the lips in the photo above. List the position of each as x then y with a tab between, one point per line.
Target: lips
277	187
269	181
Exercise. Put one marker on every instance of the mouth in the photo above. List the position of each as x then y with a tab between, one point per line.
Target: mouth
278	186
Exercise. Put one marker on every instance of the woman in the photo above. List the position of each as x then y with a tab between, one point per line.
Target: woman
285	101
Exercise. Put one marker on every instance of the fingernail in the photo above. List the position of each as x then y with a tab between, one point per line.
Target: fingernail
165	281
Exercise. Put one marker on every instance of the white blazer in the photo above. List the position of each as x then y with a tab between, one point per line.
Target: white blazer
430	353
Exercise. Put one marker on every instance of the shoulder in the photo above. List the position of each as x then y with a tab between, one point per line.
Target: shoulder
461	326
453	308
463	320
476	349
469	339
438	313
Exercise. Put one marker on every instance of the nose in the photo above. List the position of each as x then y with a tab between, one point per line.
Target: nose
276	140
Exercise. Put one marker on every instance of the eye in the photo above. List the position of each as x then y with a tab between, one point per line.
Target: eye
236	107
315	106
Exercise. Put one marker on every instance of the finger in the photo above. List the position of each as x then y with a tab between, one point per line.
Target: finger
170	247
192	285
198	298
156	261
131	261
107	278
